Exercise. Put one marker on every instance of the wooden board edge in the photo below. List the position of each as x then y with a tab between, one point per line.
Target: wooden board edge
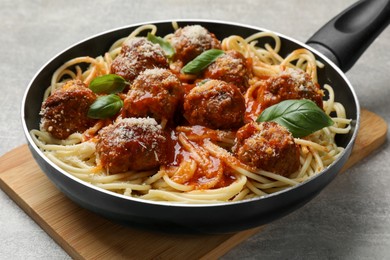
369	122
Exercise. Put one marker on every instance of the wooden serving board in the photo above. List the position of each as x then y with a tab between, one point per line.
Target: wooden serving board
85	235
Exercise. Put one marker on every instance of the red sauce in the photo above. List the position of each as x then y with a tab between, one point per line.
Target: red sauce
212	174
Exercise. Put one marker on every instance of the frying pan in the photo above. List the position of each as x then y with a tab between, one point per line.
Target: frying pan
338	45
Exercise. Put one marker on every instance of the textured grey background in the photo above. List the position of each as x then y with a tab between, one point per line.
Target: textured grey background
350	219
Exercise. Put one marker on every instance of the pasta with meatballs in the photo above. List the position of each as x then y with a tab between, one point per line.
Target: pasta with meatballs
167	134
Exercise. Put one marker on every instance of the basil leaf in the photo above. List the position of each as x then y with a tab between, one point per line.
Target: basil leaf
105	107
201	61
300	117
166	46
108	84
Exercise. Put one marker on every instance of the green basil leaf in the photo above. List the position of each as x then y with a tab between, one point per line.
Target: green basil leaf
105	107
201	61
108	84
300	117
166	46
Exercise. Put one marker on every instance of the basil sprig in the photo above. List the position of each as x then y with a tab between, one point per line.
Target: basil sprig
166	46
300	117
201	61
108	84
105	107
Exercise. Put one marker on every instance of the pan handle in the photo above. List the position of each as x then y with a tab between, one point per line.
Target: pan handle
344	38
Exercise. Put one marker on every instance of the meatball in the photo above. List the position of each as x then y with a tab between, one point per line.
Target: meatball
215	104
290	84
268	146
155	93
132	144
230	67
192	40
65	111
138	54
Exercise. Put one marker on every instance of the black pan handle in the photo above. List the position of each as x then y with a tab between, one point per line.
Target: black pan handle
344	38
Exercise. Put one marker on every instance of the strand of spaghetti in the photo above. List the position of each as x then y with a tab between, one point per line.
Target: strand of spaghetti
67	64
58	147
196	133
146	27
339	130
296	54
177	186
264	72
262	57
176	197
108	178
68	72
66	166
195	154
277	189
235	42
276	177
74	138
117	45
122	186
254	189
305	165
129	176
205	196
185	171
128	192
83	150
97	69
133	175
272	51
249	174
238	184
223	194
340	110
108	58
240	196
328	104
327	135
341	120
89	75
309	143
319	161
175	25
79	72
161	184
76	161
258	35
154	178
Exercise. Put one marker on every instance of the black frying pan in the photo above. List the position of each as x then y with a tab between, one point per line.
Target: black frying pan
341	42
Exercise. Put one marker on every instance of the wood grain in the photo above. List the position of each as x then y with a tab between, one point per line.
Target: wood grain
85	235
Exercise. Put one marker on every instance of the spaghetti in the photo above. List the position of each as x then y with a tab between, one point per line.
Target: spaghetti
205	170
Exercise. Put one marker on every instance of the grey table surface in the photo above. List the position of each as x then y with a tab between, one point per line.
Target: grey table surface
350	219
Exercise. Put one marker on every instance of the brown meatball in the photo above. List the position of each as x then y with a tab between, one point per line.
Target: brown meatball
215	104
230	67
290	84
65	111
155	93
268	146
192	40
132	144
138	54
